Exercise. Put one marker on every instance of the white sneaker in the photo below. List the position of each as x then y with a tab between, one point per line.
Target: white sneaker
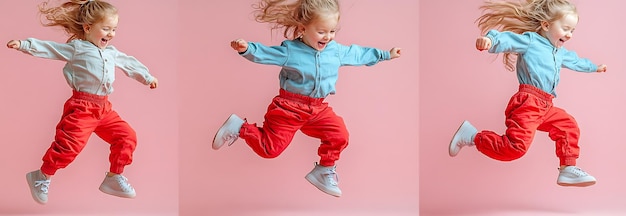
464	136
574	176
325	179
228	133
38	184
117	185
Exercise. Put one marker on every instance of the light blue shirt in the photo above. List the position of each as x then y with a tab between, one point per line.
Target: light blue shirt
88	68
539	63
310	72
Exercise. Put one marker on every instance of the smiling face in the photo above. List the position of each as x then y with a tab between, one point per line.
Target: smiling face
561	30
101	33
320	31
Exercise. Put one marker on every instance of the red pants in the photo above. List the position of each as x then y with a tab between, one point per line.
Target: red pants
531	109
289	113
84	114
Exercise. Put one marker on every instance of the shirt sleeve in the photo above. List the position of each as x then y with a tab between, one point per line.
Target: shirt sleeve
506	41
133	68
47	49
573	62
355	55
269	55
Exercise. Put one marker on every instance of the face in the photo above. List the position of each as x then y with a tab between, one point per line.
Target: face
561	30
101	33
320	31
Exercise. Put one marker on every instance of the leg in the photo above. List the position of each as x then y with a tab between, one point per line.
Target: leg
282	120
331	130
72	133
563	129
123	141
121	137
523	115
78	121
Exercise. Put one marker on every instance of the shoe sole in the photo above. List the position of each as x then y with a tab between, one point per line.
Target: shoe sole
220	133
112	192
581	184
454	149
319	186
30	181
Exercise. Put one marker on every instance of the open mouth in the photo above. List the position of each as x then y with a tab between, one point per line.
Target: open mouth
321	45
104	41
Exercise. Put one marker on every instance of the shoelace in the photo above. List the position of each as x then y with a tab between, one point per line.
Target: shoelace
231	138
123	182
43	184
330	176
579	172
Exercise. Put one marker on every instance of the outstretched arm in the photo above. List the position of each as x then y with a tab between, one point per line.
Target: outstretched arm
261	54
133	68
573	62
505	42
43	49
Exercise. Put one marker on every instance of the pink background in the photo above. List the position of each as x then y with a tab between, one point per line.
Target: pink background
378	172
33	93
458	82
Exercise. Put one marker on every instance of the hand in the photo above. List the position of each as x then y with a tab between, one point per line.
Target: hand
154	83
240	45
14	44
395	52
601	68
483	43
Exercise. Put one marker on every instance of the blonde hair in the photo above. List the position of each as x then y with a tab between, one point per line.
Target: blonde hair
521	16
291	16
72	15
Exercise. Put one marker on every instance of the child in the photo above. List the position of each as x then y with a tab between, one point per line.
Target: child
533	33
90	71
309	61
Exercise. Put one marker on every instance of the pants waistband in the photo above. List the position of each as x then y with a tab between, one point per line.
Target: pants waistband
300	98
535	91
89	96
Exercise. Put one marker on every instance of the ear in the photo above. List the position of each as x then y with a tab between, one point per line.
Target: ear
545	25
300	30
86	28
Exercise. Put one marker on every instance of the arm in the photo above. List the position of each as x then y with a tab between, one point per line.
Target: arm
259	53
355	55
573	62
43	49
500	42
134	69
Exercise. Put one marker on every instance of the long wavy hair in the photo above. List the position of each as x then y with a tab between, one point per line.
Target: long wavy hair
521	16
72	15
292	15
